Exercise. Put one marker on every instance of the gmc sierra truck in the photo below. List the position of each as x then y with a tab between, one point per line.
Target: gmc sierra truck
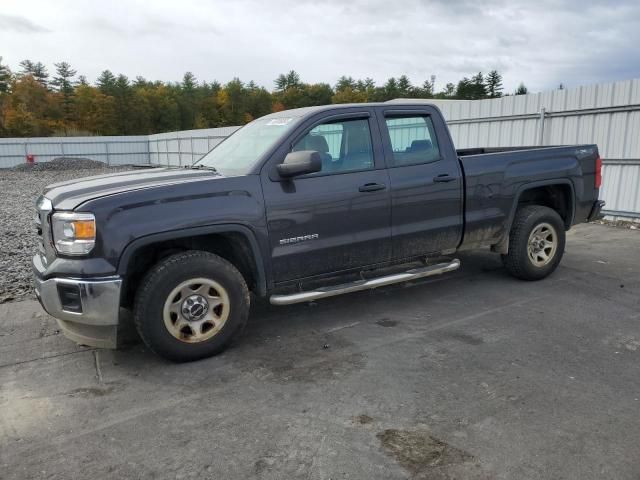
297	206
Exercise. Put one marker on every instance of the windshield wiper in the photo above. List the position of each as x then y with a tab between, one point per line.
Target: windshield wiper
203	167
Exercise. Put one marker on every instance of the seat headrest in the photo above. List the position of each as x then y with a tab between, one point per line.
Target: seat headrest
317	143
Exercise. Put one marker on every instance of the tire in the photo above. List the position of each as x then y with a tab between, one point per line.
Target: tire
191	305
542	229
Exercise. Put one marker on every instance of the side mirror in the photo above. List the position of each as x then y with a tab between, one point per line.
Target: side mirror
300	163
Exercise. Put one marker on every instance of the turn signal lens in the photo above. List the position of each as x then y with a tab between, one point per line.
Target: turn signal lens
84	229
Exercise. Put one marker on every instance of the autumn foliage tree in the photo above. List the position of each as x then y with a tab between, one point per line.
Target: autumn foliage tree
36	103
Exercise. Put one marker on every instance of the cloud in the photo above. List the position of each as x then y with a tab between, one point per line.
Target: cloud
149	25
19	24
540	43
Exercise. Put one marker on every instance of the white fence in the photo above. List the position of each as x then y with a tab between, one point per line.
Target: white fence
606	114
111	150
185	147
173	148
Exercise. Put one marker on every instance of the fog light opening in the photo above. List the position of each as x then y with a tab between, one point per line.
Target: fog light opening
70	298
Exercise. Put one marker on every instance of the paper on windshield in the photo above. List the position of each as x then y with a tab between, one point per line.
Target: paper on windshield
279	121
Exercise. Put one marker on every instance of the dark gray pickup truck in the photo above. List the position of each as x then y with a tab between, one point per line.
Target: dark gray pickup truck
297	206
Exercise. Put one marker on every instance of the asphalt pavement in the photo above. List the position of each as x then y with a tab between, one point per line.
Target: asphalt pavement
471	375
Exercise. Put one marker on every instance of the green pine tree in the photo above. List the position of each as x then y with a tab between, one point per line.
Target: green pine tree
5	78
106	82
64	84
345	82
63	81
404	87
27	67
478	87
494	84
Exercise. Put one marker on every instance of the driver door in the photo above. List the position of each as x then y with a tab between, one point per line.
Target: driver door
338	219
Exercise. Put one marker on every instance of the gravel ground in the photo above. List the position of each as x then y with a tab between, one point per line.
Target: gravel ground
620	224
20	188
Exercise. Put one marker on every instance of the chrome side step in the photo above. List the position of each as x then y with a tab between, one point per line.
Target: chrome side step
325	292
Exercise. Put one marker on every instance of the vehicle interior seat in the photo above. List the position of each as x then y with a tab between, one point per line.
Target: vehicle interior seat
420	145
419	150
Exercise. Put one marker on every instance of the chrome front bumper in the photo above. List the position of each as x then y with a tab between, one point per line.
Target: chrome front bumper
97	321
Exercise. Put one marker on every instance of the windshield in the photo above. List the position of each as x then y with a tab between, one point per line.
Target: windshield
239	153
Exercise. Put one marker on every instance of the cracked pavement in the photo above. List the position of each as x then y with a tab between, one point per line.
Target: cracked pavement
470	375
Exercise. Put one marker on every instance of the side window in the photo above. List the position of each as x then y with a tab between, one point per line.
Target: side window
413	140
343	145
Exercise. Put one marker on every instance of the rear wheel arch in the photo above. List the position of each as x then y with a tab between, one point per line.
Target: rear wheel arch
235	243
557	194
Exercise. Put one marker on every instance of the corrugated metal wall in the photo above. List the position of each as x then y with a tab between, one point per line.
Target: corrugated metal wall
111	150
174	148
185	147
606	114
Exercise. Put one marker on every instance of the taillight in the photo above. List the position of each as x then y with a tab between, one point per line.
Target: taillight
598	172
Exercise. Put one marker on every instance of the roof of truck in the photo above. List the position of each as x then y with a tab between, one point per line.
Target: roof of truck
304	111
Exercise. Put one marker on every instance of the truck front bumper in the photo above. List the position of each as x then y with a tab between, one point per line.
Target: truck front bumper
87	310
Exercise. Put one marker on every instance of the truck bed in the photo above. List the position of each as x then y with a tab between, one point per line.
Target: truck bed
465	152
495	176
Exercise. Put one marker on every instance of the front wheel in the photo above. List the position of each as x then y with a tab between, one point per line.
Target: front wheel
191	305
536	243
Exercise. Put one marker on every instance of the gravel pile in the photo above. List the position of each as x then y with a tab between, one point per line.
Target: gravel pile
19	189
61	164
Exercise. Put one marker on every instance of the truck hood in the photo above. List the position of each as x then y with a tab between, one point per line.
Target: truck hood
70	194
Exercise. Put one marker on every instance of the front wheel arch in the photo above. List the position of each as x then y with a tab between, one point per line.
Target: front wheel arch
236	243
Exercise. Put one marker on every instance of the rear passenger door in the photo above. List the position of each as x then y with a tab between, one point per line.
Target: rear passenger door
425	182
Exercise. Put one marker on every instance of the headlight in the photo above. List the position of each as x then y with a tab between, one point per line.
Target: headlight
73	233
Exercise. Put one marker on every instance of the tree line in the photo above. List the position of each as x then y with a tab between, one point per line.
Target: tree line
34	102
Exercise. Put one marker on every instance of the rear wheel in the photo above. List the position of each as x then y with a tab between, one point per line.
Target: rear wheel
191	305
536	243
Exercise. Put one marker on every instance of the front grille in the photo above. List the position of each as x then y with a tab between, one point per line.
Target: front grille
41	221
38	224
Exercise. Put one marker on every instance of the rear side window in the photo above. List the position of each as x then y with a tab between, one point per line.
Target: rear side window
413	139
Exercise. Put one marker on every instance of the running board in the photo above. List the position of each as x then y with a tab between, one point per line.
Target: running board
356	286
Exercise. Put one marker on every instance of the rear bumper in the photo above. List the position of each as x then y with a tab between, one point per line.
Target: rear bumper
596	211
96	319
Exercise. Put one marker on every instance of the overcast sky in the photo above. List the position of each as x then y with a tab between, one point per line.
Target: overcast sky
539	42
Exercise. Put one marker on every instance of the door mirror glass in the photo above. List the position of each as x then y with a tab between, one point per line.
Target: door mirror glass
300	163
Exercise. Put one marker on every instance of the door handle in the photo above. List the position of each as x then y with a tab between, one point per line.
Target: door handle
372	187
444	178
